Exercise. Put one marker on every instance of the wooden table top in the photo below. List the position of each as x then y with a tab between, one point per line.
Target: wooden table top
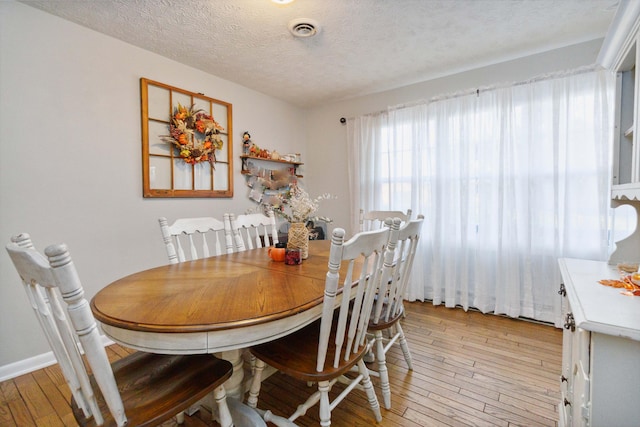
214	294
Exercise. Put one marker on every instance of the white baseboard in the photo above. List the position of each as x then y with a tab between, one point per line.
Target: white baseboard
34	363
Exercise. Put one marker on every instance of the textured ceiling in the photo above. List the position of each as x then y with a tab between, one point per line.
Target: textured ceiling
364	46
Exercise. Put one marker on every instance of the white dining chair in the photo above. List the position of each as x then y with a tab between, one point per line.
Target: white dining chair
141	389
384	324
193	238
249	231
188	239
324	351
372	220
255	230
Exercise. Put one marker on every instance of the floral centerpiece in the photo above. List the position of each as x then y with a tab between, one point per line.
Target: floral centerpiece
195	134
298	208
295	205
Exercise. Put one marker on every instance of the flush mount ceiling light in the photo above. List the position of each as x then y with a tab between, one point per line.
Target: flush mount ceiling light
303	27
282	1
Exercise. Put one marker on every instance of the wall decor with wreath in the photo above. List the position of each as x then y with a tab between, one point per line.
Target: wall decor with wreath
187	143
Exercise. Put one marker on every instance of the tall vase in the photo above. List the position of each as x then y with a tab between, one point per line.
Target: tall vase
299	238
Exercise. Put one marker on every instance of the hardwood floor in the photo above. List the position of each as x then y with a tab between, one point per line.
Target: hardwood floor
470	369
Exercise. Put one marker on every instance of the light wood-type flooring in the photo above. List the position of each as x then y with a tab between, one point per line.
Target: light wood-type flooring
470	369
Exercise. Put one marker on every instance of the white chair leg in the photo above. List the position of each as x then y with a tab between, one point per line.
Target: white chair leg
310	402
404	346
369	357
224	416
256	381
368	388
192	410
325	405
252	363
383	373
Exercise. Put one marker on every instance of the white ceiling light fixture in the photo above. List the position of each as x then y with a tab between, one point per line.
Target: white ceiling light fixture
303	27
282	1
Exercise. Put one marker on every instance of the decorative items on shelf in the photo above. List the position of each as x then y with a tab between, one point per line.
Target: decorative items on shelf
195	134
264	180
251	149
246	143
291	157
270	179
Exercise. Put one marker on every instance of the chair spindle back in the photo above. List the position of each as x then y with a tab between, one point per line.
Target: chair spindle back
47	283
251	231
184	234
373	220
365	259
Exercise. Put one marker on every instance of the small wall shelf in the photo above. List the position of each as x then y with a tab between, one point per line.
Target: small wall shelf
245	166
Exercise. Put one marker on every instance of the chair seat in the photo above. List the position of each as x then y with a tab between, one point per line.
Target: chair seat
296	355
155	387
383	324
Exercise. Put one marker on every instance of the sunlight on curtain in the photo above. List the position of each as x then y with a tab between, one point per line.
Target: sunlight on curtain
509	180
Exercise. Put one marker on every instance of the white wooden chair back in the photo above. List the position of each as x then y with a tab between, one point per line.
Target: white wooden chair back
373	220
368	257
47	283
186	235
252	231
391	293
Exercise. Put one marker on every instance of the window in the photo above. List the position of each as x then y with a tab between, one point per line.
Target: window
165	172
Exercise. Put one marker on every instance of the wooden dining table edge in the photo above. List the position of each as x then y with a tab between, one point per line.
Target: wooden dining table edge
170	329
211	341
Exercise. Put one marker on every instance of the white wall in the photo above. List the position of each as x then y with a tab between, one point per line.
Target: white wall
70	150
327	138
70	154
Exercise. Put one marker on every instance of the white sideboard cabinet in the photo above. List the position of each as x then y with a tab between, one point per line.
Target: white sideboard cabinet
600	380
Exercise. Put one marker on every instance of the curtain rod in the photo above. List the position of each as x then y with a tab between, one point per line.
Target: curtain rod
466	92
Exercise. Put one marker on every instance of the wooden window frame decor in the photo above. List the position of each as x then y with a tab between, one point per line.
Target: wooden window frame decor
169	171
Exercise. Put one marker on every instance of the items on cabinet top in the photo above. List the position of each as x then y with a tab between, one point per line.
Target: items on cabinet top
599	308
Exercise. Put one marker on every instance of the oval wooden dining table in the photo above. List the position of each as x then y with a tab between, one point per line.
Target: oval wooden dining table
221	305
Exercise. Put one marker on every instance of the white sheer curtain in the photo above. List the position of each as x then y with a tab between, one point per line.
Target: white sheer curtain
509	179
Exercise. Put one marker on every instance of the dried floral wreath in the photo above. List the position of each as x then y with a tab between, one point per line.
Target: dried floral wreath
195	134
